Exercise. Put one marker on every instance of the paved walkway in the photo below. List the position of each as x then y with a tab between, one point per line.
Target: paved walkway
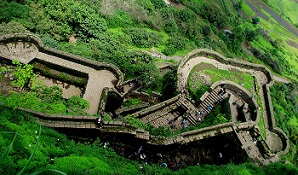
280	79
97	79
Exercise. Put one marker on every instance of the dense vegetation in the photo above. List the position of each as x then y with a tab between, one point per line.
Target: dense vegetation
117	31
27	148
26	92
285	102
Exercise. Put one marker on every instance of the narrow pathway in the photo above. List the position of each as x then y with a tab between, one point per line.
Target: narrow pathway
280	79
97	80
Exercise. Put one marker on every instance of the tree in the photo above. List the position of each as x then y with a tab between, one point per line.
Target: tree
169	84
206	30
238	5
87	23
255	20
21	74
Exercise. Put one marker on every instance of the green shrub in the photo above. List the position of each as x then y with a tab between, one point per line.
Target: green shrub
170	26
143	37
174	44
87	22
81	165
213	14
132	102
13	11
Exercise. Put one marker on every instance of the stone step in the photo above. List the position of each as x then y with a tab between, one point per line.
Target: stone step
192	120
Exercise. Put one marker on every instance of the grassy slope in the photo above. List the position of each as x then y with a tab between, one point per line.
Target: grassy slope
276	32
55	154
286	8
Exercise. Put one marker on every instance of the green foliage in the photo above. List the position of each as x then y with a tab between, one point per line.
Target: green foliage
158	4
255	20
82	165
238	5
49	41
46	99
196	93
134	121
169	84
13	11
206	30
76	104
21	74
67	156
120	19
12	27
131	102
235	40
143	38
170	26
159	131
251	34
213	14
185	15
215	117
278	168
87	22
174	44
285	103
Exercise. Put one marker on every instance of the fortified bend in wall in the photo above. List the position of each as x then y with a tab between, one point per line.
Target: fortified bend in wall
178	112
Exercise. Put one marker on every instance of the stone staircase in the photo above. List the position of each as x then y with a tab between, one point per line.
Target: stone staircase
210	99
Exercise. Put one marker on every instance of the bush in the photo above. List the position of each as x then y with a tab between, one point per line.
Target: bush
87	23
143	37
12	27
169	84
132	102
81	165
170	26
206	30
174	44
213	14
13	11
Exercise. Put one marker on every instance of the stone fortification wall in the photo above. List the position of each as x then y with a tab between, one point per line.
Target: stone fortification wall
86	122
67	56
220	58
131	108
151	98
271	121
243	93
265	88
155	107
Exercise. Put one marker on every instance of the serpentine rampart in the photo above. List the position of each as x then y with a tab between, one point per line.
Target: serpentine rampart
102	77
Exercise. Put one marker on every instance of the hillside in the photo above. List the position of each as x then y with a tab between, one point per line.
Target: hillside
142	38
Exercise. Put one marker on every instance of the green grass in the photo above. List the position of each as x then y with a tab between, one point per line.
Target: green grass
247	10
286	8
261	122
262	44
219	74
